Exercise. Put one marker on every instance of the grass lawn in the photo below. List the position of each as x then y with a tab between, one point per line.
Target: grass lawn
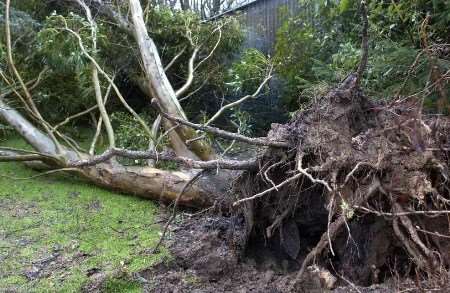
57	232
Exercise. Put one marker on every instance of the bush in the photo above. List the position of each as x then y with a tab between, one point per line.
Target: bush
322	45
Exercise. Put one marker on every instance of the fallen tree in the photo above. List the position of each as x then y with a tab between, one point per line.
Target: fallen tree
144	181
349	180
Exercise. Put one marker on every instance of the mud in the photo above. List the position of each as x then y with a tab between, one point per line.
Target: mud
204	262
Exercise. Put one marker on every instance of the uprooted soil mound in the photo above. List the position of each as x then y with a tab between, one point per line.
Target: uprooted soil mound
360	200
362	194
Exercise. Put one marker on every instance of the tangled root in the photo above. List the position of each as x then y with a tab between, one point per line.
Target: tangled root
364	190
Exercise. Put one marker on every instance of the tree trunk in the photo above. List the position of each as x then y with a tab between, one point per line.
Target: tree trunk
146	182
161	89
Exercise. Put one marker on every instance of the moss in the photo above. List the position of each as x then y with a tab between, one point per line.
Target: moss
86	227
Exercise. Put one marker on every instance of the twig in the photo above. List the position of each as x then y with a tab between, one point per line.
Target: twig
349	175
189	141
258	195
174	210
213	49
167	67
437	234
310	177
378	213
68	119
194	91
266	173
243	99
41	174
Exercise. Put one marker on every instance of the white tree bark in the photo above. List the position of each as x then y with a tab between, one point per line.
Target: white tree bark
161	89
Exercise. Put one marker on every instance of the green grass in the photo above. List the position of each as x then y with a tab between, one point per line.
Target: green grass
88	228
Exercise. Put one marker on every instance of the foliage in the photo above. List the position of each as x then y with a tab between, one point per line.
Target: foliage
243	121
67	88
127	134
131	137
322	45
59	48
6	131
246	74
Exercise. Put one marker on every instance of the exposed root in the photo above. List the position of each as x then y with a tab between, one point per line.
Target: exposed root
333	230
378	170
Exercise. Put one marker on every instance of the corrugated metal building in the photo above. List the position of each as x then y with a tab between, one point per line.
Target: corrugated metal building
261	20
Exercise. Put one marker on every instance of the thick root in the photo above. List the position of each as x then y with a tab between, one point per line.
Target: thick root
360	184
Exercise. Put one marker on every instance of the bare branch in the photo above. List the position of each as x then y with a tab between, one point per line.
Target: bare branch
95	78
167	67
20	158
194	91
310	177
175	205
423	213
29	99
191	68
31	84
190	77
243	99
276	187
41	174
190	163
219	28
111	82
155	128
99	123
70	118
334	229
98	130
220	132
8	154
364	44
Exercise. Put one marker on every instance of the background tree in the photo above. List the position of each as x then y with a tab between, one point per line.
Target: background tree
320	46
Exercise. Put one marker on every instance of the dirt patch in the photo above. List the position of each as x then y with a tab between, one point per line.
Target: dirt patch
360	199
54	264
203	261
14	208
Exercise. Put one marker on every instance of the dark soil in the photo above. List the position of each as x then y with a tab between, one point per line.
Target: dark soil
204	262
362	199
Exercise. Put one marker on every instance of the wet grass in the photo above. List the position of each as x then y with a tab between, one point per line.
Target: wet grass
57	232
